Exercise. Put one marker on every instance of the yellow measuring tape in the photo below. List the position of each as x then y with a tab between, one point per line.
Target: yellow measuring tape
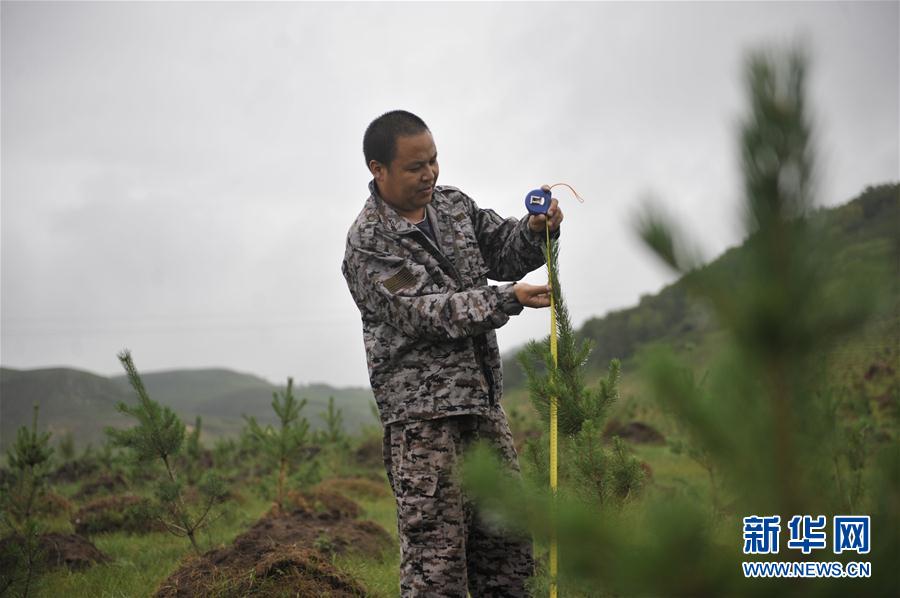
553	426
554	548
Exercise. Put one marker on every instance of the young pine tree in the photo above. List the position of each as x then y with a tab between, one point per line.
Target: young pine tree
586	465
159	434
66	446
285	445
29	461
194	452
333	434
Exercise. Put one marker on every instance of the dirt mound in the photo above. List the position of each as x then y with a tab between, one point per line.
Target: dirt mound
287	552
357	487
277	571
105	484
72	471
53	504
323	520
369	453
71	550
878	369
328	535
320	504
636	432
125	512
56	550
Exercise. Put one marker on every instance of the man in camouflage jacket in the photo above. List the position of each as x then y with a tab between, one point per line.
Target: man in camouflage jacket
417	262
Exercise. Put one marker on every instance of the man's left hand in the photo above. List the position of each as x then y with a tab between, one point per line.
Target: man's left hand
538	222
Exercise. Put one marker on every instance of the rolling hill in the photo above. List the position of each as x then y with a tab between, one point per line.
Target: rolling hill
84	403
866	233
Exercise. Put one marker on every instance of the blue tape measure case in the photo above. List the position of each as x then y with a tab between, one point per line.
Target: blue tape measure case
537	201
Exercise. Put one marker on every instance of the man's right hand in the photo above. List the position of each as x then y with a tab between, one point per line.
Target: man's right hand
531	295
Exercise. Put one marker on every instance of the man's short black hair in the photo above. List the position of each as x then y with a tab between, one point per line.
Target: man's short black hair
380	140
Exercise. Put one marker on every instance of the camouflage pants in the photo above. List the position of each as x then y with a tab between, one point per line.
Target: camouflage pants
445	547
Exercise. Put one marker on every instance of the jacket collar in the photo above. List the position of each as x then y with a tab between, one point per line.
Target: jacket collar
396	223
388	216
438	216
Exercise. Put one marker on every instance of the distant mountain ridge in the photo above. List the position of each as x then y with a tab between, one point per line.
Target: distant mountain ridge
83	403
70	400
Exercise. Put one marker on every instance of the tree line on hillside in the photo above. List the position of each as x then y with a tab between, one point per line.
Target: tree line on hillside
679	317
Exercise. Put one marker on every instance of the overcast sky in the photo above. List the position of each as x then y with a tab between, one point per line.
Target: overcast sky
179	179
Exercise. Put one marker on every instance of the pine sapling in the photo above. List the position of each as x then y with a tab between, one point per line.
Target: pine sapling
159	434
584	460
334	425
66	447
29	464
285	445
194	452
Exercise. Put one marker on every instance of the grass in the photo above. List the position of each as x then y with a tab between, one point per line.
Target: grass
140	562
380	576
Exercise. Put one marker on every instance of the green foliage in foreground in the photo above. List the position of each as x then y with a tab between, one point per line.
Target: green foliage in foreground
762	420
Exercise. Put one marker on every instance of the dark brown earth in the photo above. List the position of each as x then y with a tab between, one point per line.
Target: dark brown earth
71	550
72	471
57	550
275	571
322	505
357	487
369	453
635	431
125	512
287	552
52	504
878	369
105	484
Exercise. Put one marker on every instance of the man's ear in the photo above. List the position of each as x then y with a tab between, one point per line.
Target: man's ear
378	170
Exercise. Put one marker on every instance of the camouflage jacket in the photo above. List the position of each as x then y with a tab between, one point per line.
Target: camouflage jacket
428	313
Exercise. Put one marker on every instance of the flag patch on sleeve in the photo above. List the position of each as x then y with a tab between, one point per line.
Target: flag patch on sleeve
403	279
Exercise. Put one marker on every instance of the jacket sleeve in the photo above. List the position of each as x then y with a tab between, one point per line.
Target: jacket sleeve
510	249
399	292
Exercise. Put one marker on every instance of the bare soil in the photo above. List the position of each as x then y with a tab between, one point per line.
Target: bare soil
56	550
105	484
635	431
356	487
52	504
72	471
369	453
126	512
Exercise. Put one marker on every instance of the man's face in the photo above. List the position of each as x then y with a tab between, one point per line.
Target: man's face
407	183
